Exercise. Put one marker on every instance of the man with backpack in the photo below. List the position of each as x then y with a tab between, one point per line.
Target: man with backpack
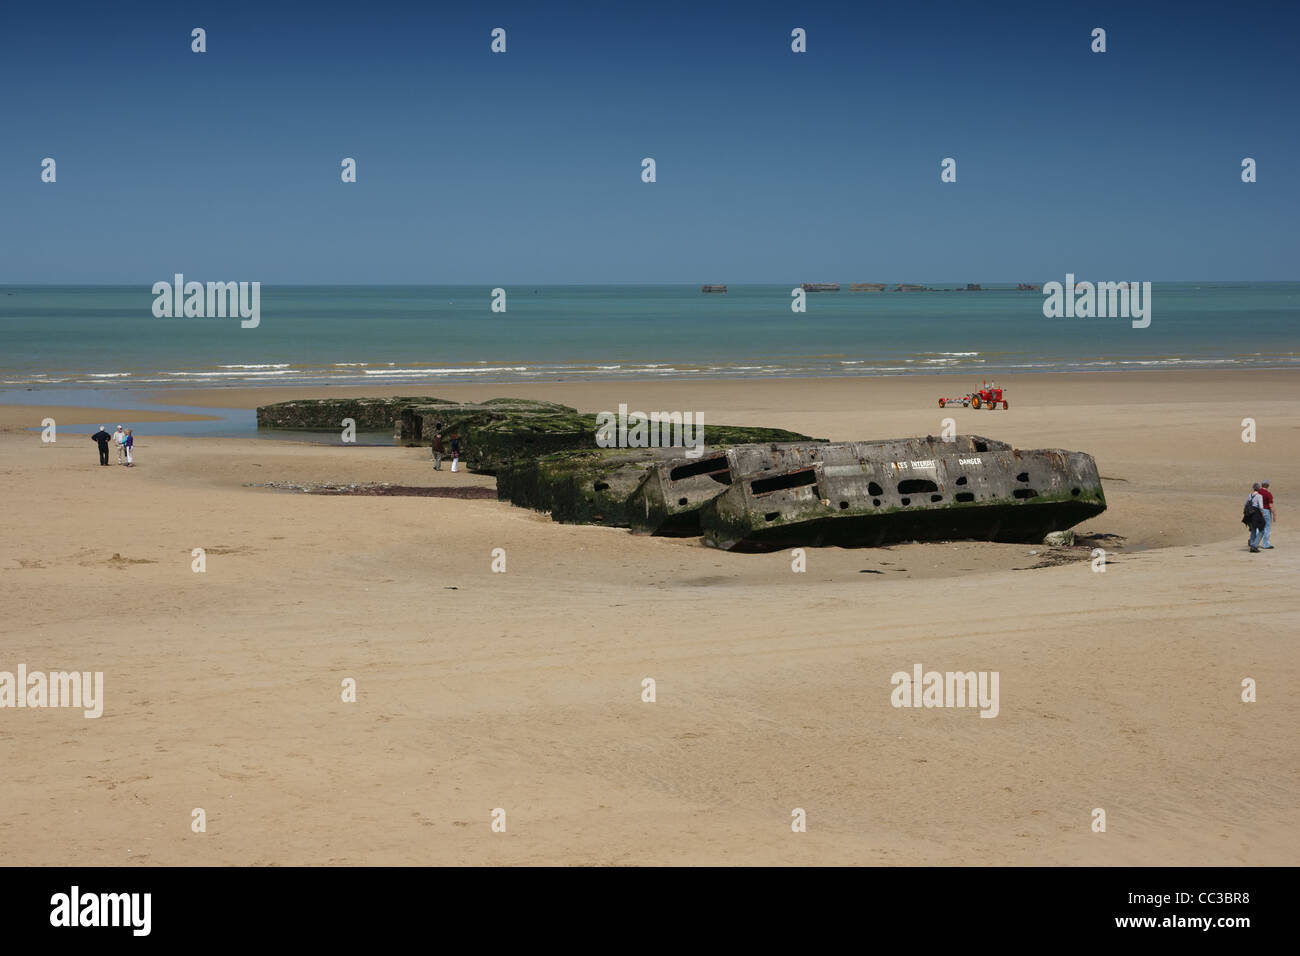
1252	516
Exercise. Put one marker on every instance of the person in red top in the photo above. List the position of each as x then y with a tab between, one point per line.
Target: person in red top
1267	495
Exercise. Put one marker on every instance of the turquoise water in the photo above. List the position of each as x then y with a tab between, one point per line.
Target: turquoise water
135	411
107	336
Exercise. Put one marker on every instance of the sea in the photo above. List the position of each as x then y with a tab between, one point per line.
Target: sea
96	337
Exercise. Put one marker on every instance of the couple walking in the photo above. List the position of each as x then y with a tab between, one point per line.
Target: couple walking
1258	517
439	450
124	440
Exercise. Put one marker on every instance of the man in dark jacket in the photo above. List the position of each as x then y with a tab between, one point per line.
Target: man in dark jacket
437	448
1252	517
103	438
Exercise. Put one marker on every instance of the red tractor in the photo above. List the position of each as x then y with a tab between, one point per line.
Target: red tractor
989	396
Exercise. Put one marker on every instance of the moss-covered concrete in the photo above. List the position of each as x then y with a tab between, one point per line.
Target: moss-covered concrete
493	433
593	485
589	486
370	414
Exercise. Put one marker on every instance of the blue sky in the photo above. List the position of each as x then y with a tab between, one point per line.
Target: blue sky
525	167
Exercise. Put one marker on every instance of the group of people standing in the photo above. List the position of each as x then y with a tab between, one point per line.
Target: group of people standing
440	450
1258	517
123	439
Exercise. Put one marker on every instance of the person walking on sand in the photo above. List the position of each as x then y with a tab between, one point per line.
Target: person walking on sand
438	449
119	439
102	438
129	444
1252	516
455	451
1266	543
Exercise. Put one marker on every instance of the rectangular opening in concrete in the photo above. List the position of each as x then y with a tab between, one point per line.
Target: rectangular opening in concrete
705	466
912	486
796	479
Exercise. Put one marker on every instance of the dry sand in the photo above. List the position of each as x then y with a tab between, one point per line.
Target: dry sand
1119	690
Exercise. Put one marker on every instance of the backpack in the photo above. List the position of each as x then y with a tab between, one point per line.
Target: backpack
1249	513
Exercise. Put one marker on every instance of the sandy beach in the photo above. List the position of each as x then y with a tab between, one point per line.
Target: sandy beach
477	690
